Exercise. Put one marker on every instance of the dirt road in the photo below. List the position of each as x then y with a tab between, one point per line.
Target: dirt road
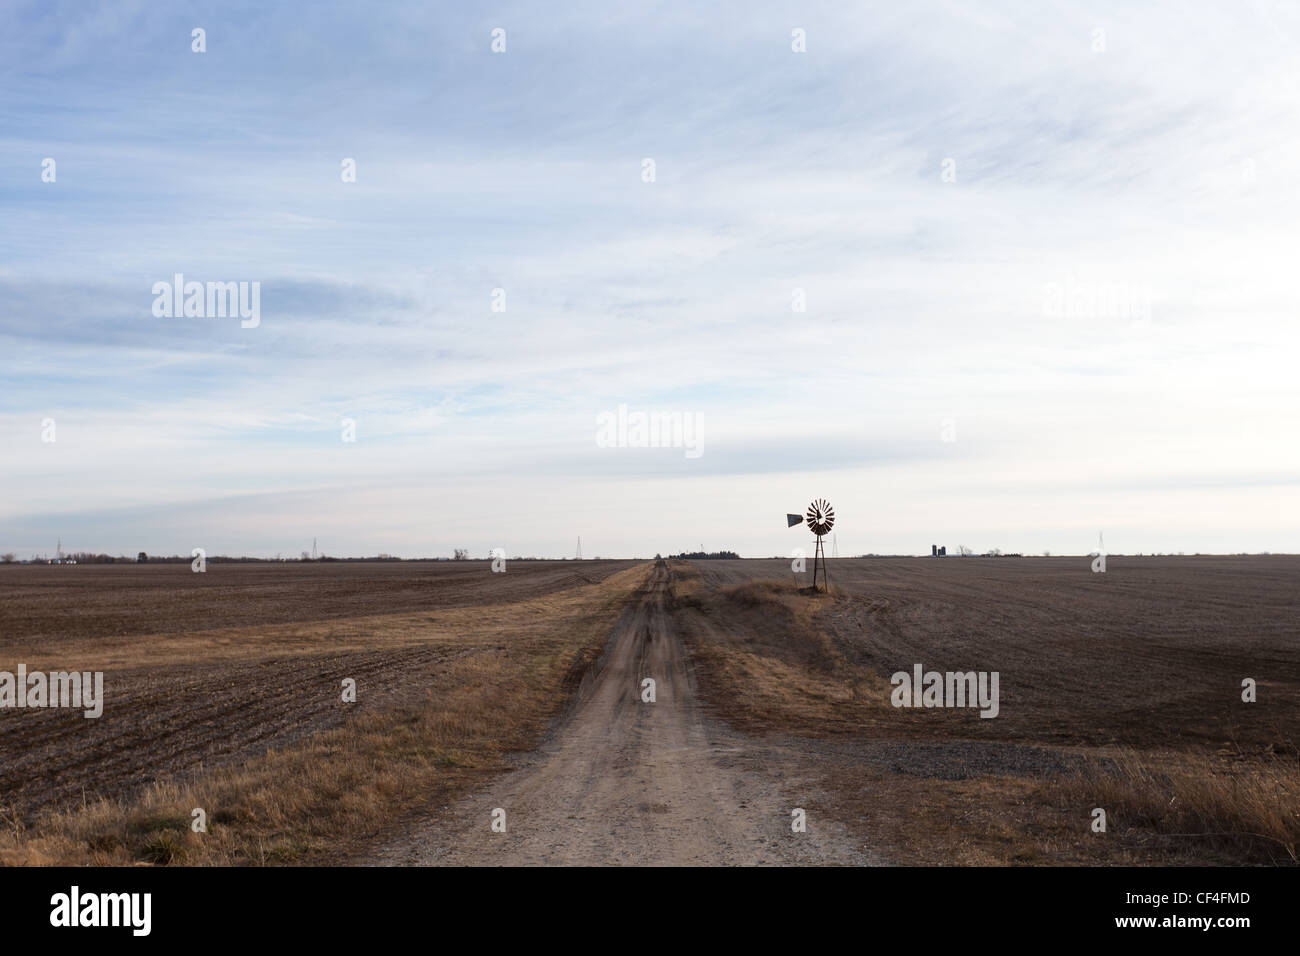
624	781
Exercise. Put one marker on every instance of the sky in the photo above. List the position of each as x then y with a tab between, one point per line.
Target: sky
1005	275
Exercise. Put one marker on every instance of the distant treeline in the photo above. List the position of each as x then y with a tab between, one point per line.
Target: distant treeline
85	557
704	555
226	559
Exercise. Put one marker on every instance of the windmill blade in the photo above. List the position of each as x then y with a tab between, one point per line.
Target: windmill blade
792	520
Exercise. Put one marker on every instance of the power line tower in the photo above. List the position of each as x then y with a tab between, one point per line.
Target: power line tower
315	555
60	550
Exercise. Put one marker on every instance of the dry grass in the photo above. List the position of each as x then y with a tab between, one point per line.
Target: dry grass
335	790
1242	809
763	653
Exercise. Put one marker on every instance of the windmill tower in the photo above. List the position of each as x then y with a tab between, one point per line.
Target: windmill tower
820	519
579	557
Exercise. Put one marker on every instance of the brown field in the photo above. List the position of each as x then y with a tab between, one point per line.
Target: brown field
45	605
223	691
1119	691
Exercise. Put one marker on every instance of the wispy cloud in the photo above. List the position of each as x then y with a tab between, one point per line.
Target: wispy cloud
1150	183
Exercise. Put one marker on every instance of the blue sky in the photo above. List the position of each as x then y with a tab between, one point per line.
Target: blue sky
1098	307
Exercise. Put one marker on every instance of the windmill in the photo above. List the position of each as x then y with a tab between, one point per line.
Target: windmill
820	518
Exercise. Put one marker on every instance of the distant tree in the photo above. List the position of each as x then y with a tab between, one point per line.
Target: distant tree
964	551
462	554
142	557
995	551
8	558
